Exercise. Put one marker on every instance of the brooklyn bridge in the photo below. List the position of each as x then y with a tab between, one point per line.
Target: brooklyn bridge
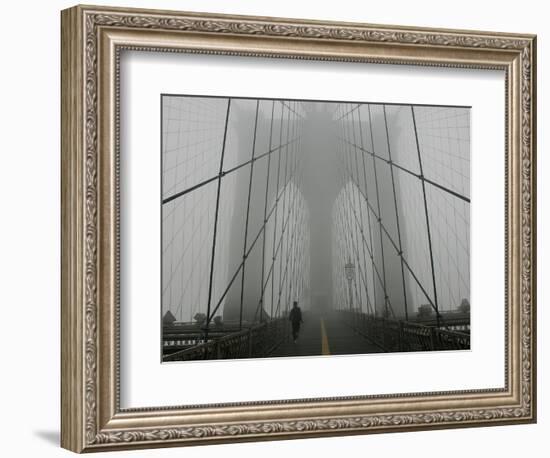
357	212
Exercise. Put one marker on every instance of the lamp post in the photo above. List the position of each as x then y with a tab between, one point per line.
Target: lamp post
349	269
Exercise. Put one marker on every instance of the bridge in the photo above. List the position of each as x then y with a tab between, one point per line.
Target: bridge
358	212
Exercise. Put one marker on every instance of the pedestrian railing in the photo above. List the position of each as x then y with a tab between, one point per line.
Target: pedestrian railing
395	335
258	340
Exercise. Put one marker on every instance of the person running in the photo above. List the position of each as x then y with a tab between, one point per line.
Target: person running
295	317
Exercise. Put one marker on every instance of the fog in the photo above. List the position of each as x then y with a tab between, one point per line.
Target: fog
306	188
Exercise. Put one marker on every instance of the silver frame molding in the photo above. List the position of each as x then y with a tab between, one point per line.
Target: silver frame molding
92	39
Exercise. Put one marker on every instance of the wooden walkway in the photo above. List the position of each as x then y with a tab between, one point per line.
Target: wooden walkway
325	334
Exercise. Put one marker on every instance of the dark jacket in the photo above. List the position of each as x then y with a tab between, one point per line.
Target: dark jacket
295	315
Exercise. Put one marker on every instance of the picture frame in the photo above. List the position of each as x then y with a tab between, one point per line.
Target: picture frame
92	39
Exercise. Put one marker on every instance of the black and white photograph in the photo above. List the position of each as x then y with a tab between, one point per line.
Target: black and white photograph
275	229
313	228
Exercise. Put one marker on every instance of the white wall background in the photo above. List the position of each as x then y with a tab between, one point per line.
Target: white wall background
29	233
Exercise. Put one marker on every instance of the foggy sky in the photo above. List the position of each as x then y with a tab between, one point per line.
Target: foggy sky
325	202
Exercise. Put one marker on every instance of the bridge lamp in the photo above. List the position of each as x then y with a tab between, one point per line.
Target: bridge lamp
349	269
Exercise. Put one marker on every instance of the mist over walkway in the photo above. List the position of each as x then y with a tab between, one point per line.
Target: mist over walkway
361	208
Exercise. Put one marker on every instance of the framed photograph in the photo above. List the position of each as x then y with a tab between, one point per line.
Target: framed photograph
277	228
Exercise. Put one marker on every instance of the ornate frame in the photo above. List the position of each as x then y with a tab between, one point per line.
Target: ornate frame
92	38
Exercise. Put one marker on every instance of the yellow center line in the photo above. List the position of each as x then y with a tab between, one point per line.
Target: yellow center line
324	340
